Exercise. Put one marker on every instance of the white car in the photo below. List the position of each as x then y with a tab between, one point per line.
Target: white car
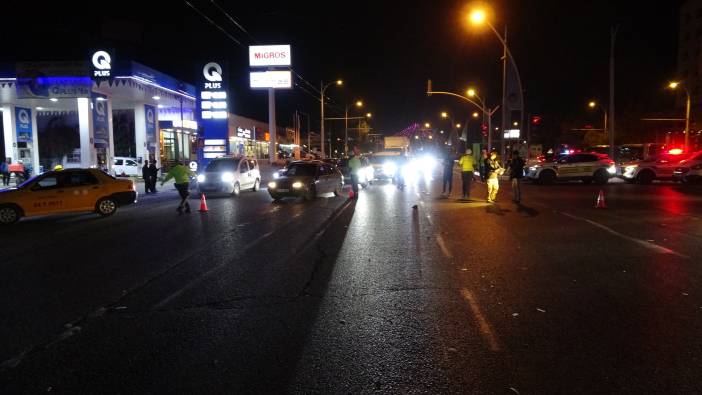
587	167
660	167
230	175
125	167
690	169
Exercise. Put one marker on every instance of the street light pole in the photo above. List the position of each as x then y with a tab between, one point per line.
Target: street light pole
613	39
322	89
346	131
687	120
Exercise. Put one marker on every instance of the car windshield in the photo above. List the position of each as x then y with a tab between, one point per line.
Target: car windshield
222	165
302	169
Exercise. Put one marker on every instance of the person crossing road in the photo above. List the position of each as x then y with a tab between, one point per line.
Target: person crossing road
467	165
181	174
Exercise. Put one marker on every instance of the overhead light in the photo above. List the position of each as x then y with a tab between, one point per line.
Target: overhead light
53	99
101	99
40	108
160	106
156	97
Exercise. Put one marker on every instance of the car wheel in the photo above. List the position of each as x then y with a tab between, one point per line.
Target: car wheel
645	177
106	207
547	177
311	193
236	190
256	185
9	215
601	177
587	180
337	190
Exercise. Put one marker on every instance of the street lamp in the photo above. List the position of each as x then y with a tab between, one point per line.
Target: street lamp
475	115
458	126
358	104
675	85
444	114
427	125
321	103
478	17
593	104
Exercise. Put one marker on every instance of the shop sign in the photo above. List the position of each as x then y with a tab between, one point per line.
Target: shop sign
150	115
23	123
271	79
269	55
102	65
213	110
101	131
243	133
511	134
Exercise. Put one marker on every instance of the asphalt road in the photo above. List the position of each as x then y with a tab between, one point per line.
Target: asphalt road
361	296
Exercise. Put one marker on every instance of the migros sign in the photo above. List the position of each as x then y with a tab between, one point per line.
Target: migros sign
269	55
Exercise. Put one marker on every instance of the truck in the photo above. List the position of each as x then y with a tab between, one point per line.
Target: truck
398	144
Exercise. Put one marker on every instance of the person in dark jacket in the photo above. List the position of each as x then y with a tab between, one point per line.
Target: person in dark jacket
146	175
153	173
516	173
448	173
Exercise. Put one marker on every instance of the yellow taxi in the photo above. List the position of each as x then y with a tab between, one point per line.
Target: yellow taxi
64	191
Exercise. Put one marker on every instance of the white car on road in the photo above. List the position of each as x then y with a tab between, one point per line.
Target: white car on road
230	175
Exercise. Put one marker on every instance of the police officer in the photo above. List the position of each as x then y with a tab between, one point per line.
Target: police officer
181	174
494	170
354	167
467	165
146	175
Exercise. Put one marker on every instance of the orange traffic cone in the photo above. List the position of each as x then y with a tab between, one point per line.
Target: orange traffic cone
203	204
600	203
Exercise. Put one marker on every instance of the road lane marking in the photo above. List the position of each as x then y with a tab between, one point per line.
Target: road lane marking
442	245
646	244
483	324
431	222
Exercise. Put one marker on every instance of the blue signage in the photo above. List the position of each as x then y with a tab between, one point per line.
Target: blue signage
150	113
101	125
23	122
213	111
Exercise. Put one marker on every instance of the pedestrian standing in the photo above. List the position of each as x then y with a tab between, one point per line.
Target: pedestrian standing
467	165
516	173
181	176
146	175
5	172
448	173
354	167
493	170
483	164
153	173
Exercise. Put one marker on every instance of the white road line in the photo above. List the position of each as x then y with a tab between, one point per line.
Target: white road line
483	324
431	221
647	244
442	245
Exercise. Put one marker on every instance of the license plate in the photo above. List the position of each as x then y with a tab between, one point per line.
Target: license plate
283	190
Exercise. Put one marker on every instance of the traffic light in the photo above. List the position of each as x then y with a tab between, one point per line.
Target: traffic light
536	120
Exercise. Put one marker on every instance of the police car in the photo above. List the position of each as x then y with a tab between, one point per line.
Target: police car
660	167
63	191
690	169
587	167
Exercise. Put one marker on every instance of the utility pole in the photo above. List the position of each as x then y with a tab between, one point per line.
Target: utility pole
272	149
321	125
613	38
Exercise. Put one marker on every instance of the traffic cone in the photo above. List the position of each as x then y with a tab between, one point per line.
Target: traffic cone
203	204
600	203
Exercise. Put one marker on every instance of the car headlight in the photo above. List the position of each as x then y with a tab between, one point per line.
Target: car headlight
227	177
201	178
271	185
389	168
612	169
532	168
297	185
276	175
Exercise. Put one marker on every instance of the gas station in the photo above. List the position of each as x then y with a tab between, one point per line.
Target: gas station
85	113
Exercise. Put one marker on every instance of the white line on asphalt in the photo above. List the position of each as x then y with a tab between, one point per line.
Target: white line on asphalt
647	244
431	222
442	245
483	324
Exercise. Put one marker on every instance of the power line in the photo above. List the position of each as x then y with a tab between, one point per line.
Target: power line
214	24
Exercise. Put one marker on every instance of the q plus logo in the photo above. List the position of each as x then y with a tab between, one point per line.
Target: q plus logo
23	117
213	74
150	116
100	108
102	62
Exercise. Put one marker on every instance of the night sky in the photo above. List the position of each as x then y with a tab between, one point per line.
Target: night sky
385	51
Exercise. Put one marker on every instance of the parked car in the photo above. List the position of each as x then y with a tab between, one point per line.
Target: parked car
587	167
125	167
63	191
306	179
230	175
